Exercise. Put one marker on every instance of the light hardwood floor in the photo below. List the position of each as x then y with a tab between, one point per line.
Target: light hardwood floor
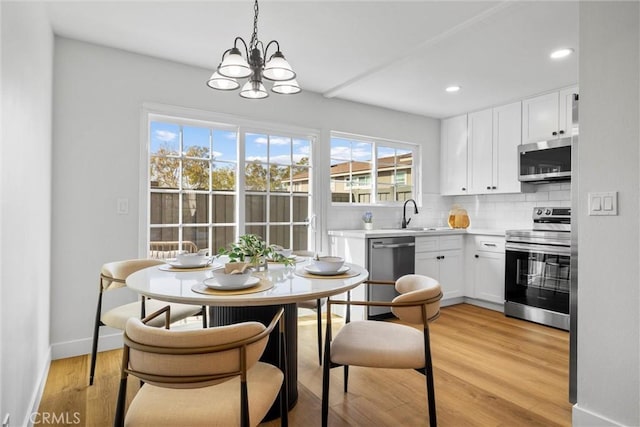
489	371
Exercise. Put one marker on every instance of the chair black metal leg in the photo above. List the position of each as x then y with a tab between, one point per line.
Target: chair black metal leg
348	316
431	396
319	312
204	317
122	397
284	390
346	377
244	402
94	346
325	370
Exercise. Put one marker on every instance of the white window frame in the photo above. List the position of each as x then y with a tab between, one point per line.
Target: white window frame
193	117
416	175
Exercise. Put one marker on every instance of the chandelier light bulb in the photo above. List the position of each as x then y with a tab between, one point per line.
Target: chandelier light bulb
253	89
289	87
220	82
278	69
234	65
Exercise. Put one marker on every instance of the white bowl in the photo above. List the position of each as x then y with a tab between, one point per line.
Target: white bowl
191	260
237	279
284	252
327	263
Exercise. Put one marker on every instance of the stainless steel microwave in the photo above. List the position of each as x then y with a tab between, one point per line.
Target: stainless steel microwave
546	160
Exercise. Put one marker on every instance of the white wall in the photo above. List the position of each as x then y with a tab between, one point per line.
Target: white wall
98	95
25	213
609	160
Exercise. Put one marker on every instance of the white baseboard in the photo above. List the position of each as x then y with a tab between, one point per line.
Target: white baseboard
451	301
82	346
485	304
582	417
36	396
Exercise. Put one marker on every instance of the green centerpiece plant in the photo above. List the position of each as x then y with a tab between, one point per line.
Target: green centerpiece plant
252	249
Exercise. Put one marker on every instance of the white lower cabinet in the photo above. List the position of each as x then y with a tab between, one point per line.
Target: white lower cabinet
485	264
441	257
469	267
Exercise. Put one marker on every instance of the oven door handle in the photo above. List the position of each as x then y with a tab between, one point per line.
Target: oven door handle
542	249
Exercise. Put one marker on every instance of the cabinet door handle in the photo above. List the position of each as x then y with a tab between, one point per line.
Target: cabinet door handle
493	245
464	189
561	132
477	256
488	187
494	188
554	133
442	257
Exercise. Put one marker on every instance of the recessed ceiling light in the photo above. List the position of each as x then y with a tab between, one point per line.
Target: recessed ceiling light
453	88
561	53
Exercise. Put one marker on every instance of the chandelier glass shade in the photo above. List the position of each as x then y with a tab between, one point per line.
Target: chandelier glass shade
254	66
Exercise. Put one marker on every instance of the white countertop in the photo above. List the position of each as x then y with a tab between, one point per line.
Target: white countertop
393	232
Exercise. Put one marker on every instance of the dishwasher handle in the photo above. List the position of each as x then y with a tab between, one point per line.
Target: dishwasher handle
392	245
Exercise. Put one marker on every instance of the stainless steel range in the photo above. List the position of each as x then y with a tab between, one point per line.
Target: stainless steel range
538	269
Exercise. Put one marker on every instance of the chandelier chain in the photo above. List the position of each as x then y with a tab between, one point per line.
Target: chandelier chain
254	36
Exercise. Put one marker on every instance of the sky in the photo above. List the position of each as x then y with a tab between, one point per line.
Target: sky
261	147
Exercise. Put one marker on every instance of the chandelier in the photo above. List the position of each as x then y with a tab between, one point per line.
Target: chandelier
234	66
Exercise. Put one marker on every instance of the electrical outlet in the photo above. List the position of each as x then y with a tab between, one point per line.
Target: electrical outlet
5	422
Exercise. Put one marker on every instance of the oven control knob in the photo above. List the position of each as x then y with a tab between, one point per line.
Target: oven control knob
539	212
548	212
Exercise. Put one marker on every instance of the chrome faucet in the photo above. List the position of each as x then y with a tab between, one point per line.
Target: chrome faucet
406	221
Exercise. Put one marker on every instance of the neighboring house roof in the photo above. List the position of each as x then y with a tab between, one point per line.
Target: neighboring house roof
403	160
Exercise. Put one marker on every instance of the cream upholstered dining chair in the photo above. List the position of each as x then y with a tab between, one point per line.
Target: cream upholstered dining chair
380	344
113	276
208	377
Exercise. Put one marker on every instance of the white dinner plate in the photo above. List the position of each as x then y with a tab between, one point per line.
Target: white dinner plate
213	284
176	264
313	270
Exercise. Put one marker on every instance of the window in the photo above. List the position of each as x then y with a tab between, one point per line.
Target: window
210	183
368	170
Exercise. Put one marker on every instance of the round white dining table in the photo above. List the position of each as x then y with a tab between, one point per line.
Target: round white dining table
290	286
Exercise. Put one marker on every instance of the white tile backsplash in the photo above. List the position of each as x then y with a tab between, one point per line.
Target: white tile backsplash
511	211
494	211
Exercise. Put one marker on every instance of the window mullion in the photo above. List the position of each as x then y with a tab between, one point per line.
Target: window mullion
180	187
240	181
374	172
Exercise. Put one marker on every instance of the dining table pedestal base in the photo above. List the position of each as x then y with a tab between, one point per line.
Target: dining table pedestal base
220	316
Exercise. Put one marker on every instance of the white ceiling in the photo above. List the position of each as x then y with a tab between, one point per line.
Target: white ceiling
398	55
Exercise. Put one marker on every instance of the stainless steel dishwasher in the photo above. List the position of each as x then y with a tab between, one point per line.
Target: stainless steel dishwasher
389	258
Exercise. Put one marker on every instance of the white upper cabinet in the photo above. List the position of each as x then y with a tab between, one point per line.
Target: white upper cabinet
547	117
453	156
481	159
565	110
507	128
494	137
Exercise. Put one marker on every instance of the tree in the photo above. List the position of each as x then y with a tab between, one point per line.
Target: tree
165	172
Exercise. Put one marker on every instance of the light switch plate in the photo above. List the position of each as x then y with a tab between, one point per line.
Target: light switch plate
605	203
123	207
